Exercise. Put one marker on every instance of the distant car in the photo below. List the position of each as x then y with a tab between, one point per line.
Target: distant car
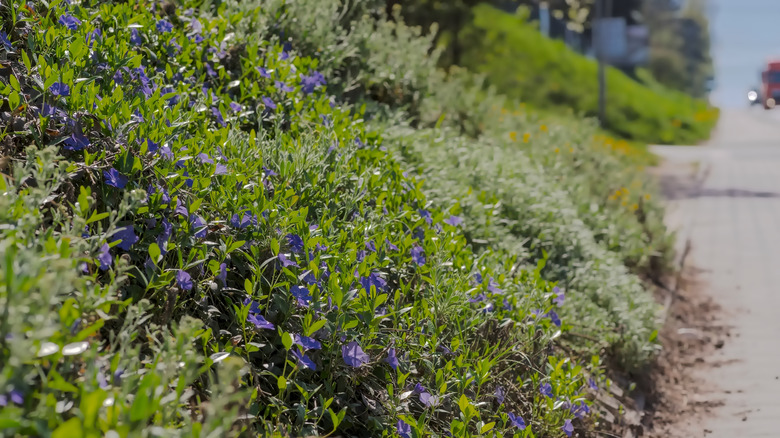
770	84
753	97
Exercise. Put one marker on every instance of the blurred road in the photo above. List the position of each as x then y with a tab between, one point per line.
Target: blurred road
733	222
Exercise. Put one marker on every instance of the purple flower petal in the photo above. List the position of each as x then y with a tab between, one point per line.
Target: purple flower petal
418	255
306	342
222	276
429	400
198	225
546	390
392	359
296	243
453	220
269	103
302	295
516	421
285	262
353	355
259	322
567	427
403	429
76	142
559	296
500	395
16	397
554	318
69	21
127	237
183	280
59	89
104	257
236	107
115	179
5	41
303	360
164	26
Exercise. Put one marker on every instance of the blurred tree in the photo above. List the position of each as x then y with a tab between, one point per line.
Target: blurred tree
680	44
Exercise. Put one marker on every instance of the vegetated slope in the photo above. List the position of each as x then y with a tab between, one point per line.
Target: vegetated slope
202	241
522	63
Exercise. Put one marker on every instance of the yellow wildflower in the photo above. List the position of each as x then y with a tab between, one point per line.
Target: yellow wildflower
513	135
526	137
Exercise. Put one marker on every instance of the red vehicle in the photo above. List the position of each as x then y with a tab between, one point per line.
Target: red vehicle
770	84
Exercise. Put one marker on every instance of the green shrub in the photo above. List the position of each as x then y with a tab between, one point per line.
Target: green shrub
524	64
199	241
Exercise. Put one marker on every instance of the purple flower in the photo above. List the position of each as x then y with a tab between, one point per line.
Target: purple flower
69	21
580	410
135	38
220	169
478	278
210	71
166	152
302	295
546	390
418	256
390	245
371	246
127	237
554	318
263	72
425	214
198	225
559	296
163	237
303	360
283	87
500	395
268	172
243	222
567	427
429	400
236	107
296	243
403	429
306	342
218	114
353	355
151	146
593	385
493	287
392	359
3	400
269	103
180	208
222	276
254	307
374	280
6	42
59	89
184	280
205	159
164	26
507	305
285	262
516	421
16	397
76	142
104	257
453	220
478	298
259	321
308	83
419	388
114	178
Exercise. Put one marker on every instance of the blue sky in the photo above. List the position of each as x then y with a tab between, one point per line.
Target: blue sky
745	34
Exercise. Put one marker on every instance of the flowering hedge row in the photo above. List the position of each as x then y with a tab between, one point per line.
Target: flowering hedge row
199	240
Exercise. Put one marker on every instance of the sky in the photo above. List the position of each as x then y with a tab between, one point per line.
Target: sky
745	34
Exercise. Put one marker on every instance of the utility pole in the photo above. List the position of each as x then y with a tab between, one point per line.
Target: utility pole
597	36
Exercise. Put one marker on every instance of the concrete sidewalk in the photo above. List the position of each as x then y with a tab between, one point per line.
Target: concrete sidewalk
732	220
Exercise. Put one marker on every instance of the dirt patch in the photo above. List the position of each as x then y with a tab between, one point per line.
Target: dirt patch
692	333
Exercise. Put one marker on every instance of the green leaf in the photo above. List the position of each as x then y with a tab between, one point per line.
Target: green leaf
281	382
154	253
69	429
14	100
287	340
97	217
316	326
26	61
463	403
15	83
235	245
487	427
